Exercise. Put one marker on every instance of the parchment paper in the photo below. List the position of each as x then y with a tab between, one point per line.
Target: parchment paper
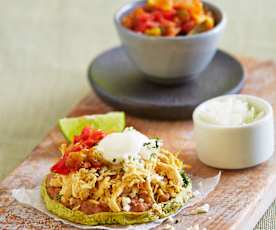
201	188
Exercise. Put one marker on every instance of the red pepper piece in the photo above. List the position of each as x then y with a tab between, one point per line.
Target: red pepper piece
140	27
98	135
188	26
157	15
89	137
169	15
60	166
76	148
143	17
85	133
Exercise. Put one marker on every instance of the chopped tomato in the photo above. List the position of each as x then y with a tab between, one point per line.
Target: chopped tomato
76	148
144	17
169	15
60	166
171	29
157	15
74	160
88	138
188	26
75	155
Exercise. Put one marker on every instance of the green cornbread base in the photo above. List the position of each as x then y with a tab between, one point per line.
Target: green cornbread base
121	218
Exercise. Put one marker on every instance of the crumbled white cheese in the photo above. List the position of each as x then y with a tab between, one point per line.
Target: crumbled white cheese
125	203
157	208
141	200
133	192
103	169
150	148
197	193
202	209
156	178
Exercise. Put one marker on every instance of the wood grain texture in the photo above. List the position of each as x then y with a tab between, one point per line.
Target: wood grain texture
239	201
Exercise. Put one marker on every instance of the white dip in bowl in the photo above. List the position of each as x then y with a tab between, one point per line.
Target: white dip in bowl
234	131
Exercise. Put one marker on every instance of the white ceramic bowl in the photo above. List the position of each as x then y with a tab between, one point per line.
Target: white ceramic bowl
235	147
170	60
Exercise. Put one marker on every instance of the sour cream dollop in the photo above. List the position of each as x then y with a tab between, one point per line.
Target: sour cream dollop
117	147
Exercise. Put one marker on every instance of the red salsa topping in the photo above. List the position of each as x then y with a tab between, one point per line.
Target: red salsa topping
77	154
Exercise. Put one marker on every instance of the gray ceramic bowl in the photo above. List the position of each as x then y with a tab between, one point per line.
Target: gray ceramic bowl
170	59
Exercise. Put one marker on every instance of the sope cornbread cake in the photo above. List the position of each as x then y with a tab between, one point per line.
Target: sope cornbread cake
117	178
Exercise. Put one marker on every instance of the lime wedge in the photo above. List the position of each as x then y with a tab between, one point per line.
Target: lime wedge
109	122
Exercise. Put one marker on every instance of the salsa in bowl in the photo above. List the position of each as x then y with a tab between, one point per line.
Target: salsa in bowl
169	59
170	18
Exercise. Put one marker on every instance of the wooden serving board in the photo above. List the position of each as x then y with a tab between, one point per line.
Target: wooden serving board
239	201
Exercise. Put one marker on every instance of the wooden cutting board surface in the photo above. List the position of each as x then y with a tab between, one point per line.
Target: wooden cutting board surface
239	201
